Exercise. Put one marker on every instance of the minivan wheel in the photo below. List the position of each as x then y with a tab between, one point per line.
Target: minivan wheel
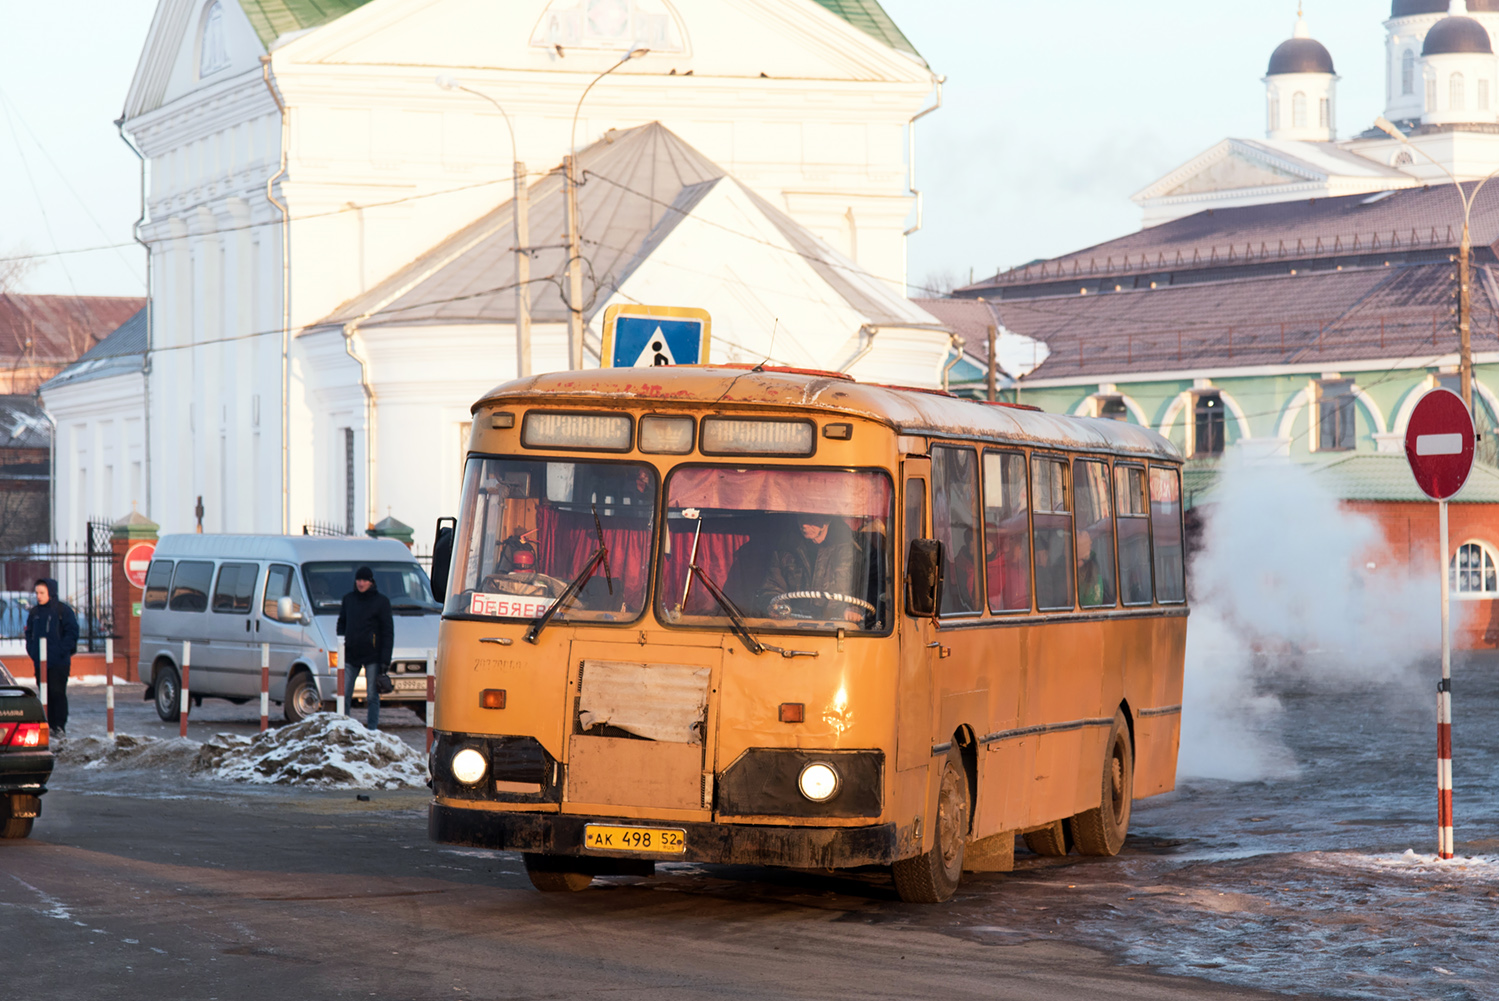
302	698
168	693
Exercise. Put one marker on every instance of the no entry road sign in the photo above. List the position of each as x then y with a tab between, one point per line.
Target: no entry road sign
1439	443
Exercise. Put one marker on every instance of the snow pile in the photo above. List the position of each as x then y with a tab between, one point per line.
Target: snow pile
128	752
1412	863
325	750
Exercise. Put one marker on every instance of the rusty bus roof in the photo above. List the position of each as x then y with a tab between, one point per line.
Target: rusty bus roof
907	411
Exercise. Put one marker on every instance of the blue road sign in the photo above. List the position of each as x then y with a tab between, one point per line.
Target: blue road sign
641	340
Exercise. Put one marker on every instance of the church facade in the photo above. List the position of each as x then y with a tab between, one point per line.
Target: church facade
298	155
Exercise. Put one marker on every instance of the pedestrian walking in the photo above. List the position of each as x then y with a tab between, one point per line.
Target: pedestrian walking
52	620
365	623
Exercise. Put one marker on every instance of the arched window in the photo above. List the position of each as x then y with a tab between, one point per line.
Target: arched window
214	53
1298	110
1472	572
1324	113
1274	112
1455	92
1483	95
1408	73
1431	95
1404	158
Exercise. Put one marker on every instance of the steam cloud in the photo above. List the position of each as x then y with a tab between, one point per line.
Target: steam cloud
1282	586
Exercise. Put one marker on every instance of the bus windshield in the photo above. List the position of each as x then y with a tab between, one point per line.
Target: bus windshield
530	527
789	548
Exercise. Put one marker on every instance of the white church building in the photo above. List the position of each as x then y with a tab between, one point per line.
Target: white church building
1441	94
331	258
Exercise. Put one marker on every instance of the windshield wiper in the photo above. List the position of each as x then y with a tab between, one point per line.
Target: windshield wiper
601	555
737	618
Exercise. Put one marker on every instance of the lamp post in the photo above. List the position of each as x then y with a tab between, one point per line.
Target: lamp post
1464	263
522	235
574	260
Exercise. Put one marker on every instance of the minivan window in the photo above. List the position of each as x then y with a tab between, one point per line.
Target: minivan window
281	582
403	583
236	588
158	582
190	586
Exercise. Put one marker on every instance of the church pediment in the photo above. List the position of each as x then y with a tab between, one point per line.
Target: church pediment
192	44
1233	172
778	39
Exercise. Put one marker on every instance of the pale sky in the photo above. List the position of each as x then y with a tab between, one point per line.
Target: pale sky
1053	115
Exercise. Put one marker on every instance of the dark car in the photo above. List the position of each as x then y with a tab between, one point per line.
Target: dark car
25	758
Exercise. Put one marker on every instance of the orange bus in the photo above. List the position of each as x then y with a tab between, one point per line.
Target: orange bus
768	616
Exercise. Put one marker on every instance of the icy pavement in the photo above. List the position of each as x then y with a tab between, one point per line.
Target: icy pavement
323	751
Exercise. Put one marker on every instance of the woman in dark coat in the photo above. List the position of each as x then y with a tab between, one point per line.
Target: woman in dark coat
51	619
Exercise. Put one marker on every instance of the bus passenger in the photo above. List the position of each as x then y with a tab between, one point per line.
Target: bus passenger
820	557
1090	590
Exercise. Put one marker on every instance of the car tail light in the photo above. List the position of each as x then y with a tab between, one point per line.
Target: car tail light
29	735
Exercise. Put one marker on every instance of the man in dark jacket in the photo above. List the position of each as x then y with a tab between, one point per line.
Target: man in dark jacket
55	622
819	557
368	630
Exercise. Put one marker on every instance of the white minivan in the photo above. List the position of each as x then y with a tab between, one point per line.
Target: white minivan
227	595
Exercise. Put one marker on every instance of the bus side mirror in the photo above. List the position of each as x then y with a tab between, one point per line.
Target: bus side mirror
924	578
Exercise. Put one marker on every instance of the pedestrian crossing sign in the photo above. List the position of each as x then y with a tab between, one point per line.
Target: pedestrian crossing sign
650	336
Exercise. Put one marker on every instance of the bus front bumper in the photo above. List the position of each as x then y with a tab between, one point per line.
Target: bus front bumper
746	844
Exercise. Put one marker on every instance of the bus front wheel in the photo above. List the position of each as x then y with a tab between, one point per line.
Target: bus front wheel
548	876
1101	831
933	876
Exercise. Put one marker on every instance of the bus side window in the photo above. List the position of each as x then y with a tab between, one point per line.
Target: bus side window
1007	532
1052	521
1134	534
955	525
915	513
1166	530
1095	534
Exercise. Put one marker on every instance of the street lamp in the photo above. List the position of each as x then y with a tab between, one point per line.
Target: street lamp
574	261
1464	262
522	236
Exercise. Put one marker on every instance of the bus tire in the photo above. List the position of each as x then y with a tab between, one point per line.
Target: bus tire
16	827
547	877
168	697
302	698
1051	840
933	876
1102	830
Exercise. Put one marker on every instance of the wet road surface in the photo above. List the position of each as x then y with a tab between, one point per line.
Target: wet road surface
163	886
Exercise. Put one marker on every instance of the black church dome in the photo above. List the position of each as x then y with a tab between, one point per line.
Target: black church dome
1456	35
1301	55
1409	8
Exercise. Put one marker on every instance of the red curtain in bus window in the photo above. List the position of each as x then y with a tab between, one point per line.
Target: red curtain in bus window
853	495
734	551
566	540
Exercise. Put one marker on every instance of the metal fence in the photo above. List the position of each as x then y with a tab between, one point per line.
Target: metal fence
85	581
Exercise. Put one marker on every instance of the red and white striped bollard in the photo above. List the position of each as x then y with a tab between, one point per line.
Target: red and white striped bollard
431	694
41	681
338	674
1444	768
265	687
187	660
109	687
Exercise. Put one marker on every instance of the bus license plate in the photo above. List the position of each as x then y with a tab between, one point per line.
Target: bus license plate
634	839
410	684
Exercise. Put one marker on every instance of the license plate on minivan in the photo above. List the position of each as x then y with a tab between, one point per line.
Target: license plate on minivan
410	684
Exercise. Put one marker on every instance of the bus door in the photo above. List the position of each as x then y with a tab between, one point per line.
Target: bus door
642	726
913	743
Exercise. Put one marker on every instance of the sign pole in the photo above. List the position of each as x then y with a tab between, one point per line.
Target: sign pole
109	687
265	687
1444	704
1439	445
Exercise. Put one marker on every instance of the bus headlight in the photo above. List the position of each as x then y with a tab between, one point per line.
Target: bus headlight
469	766
818	782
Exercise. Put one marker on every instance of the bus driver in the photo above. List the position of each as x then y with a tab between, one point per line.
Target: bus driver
820	558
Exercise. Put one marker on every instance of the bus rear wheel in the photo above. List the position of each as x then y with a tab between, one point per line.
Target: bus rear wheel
548	875
933	876
1101	831
1051	840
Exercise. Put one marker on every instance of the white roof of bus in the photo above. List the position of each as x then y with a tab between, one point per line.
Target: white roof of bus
286	548
908	411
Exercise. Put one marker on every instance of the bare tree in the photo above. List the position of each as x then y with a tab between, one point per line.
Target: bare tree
15	264
939	283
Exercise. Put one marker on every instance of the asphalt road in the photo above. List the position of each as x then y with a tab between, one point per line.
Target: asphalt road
157	886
